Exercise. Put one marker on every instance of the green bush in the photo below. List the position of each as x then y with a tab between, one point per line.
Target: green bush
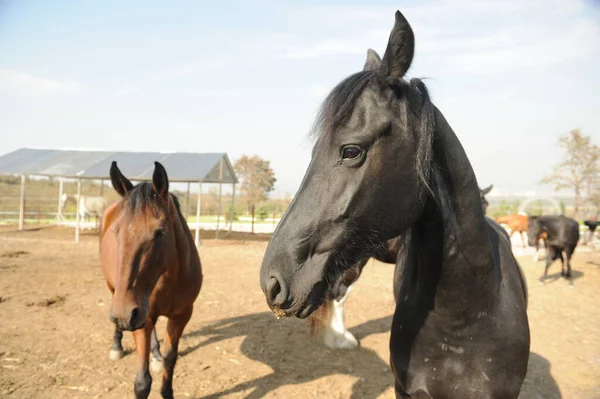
262	213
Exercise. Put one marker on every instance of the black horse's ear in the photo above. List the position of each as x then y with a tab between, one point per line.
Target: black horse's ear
400	49
160	180
121	184
487	190
373	61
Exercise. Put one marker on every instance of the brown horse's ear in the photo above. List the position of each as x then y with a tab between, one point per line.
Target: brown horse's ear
373	61
400	49
160	180
487	190
121	184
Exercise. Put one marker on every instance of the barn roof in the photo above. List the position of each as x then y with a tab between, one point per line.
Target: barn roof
84	164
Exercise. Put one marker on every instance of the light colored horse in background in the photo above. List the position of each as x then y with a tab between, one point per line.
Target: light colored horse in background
88	206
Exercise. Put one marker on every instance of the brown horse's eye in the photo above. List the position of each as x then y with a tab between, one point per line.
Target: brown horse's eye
159	233
351	152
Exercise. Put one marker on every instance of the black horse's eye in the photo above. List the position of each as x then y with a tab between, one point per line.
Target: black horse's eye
159	233
351	152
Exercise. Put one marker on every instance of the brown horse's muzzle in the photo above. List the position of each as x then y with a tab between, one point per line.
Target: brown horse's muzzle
128	315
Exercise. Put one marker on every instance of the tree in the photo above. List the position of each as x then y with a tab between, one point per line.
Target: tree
578	169
258	179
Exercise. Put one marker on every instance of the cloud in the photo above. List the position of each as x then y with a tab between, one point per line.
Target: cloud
484	36
22	84
353	45
576	39
319	91
125	90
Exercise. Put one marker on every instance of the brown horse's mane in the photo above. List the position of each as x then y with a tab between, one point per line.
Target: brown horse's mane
179	213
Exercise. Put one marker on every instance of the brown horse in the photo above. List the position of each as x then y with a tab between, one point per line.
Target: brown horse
516	223
520	223
152	268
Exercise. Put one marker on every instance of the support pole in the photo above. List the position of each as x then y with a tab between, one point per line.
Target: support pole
220	192
187	202
77	217
59	214
22	204
102	187
198	206
231	211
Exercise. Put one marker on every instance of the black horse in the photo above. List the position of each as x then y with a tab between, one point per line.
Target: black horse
592	225
563	236
386	254
387	164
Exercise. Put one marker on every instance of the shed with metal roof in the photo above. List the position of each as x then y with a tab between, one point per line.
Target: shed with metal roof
182	167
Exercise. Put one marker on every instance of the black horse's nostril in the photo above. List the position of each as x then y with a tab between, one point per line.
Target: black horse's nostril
273	289
276	292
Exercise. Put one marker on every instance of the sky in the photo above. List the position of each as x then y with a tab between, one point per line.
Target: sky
247	77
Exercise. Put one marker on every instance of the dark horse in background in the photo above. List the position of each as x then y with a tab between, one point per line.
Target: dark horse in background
591	225
328	322
563	236
387	164
152	268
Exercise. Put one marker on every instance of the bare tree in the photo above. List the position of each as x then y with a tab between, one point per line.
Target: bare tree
578	169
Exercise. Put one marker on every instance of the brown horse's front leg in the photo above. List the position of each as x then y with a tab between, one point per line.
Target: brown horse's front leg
175	328
143	380
522	239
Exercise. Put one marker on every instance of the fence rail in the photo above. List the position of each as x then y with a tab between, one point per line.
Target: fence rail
68	220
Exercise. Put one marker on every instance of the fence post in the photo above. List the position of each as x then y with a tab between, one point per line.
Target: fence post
59	210
187	201
220	193
22	204
77	217
198	206
232	211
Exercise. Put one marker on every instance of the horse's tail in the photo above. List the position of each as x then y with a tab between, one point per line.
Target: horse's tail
319	319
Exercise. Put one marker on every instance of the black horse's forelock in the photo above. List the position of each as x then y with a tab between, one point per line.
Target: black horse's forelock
338	106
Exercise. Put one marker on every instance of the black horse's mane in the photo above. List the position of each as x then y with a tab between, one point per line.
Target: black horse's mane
338	106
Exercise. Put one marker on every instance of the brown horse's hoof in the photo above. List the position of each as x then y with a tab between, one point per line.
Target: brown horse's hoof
115	354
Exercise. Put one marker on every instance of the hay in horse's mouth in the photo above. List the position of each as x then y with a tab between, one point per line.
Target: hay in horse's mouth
278	312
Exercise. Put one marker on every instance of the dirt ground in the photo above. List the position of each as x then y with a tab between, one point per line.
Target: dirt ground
55	333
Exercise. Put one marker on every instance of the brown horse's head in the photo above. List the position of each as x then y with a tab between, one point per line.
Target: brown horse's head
145	240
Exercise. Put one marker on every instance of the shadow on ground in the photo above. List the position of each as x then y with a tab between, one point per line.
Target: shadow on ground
283	344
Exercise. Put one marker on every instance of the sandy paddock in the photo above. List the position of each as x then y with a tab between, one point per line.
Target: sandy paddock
55	333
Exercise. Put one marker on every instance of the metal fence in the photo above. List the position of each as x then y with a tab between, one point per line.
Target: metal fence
40	210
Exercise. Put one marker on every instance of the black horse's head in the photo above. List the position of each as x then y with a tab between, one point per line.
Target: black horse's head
367	180
534	230
483	193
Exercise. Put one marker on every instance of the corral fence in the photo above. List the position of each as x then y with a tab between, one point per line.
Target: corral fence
45	210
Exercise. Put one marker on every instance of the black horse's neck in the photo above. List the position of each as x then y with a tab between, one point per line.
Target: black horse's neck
448	256
469	232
